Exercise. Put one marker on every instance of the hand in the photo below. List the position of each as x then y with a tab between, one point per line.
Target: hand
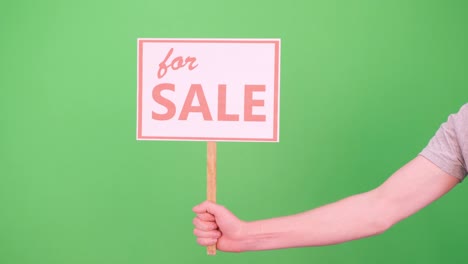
214	224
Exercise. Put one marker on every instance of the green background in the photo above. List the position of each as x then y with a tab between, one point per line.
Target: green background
364	86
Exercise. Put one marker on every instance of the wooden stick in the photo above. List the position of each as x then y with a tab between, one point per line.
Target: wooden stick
211	181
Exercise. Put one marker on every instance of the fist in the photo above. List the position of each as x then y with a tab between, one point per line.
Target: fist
216	225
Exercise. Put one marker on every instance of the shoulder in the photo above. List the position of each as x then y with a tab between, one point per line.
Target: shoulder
458	120
461	117
464	110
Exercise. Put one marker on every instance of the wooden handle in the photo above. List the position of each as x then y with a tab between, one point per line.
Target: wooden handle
211	181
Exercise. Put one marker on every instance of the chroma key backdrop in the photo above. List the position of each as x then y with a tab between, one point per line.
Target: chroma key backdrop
364	86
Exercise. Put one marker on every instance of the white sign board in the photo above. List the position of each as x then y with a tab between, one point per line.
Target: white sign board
208	89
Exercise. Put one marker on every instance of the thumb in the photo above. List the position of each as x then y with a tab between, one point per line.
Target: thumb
212	208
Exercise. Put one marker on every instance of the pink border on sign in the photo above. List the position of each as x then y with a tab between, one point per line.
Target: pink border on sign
140	89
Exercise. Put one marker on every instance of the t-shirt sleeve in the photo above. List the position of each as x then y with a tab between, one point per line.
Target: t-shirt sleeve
445	148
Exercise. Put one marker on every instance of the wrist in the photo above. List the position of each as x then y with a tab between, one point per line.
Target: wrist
253	237
246	242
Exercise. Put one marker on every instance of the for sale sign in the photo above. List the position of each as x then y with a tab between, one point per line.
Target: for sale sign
208	89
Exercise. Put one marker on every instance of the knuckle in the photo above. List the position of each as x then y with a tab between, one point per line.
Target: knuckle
204	225
206	241
214	226
207	227
202	216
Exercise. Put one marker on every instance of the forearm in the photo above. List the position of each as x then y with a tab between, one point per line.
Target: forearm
352	218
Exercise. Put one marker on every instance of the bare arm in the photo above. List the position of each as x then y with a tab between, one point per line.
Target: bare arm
408	190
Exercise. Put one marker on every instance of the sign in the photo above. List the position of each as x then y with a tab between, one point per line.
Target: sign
208	89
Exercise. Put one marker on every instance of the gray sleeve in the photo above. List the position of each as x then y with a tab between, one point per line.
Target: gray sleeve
444	149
